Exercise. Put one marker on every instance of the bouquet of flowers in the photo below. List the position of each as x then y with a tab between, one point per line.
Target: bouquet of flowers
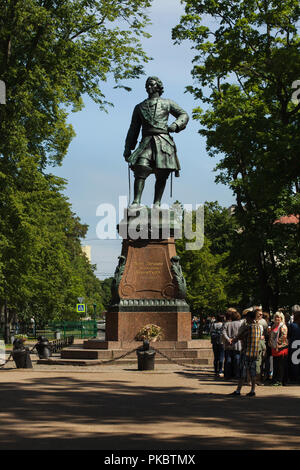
150	332
21	337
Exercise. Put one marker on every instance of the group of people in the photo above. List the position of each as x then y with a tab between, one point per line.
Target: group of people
257	349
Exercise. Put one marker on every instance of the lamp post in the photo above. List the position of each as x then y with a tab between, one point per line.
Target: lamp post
95	311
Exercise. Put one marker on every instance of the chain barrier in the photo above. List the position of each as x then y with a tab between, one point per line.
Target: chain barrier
94	363
10	356
173	360
101	362
156	350
30	351
136	349
113	360
110	361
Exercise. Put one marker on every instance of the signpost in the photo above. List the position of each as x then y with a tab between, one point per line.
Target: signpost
80	308
95	311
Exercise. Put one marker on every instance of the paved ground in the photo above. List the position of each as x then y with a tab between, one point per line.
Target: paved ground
118	407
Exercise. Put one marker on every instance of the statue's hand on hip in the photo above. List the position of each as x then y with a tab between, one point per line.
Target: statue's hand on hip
172	127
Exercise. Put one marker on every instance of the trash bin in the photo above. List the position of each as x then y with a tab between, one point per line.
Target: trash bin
146	357
21	355
43	347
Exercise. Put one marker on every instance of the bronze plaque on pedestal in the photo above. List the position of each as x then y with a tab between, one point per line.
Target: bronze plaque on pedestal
148	273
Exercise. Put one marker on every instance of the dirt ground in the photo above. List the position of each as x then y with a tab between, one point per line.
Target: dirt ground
118	407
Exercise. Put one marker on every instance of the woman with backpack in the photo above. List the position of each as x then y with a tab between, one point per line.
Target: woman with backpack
216	331
232	350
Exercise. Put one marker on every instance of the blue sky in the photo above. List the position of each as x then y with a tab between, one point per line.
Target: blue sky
94	166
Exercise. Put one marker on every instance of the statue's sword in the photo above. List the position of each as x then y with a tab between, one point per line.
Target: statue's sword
129	183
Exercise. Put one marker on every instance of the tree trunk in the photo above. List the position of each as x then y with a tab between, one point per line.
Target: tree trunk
265	289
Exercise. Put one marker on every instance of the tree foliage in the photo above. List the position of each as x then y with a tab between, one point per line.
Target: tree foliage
106	285
208	271
51	53
246	62
42	267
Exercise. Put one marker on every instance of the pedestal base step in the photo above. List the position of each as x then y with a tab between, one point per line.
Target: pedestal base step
112	354
198	352
186	352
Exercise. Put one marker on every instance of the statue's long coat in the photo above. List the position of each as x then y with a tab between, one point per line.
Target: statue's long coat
151	120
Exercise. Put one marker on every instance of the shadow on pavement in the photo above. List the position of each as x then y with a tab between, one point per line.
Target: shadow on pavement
30	409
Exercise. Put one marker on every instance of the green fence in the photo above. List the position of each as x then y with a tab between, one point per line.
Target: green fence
79	329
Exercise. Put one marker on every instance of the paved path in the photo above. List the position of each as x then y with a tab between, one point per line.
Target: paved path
117	408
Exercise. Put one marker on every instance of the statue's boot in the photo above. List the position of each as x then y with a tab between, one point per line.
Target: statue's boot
141	173
160	185
139	184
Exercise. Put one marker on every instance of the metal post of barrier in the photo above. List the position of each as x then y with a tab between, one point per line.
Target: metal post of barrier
146	357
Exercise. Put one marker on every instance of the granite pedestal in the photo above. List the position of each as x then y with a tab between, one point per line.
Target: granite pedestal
148	288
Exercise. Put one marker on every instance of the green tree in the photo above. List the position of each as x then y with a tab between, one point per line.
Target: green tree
205	278
208	271
247	59
220	227
42	267
106	291
51	53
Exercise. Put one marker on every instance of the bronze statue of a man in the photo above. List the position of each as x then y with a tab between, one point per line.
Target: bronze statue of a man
156	152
